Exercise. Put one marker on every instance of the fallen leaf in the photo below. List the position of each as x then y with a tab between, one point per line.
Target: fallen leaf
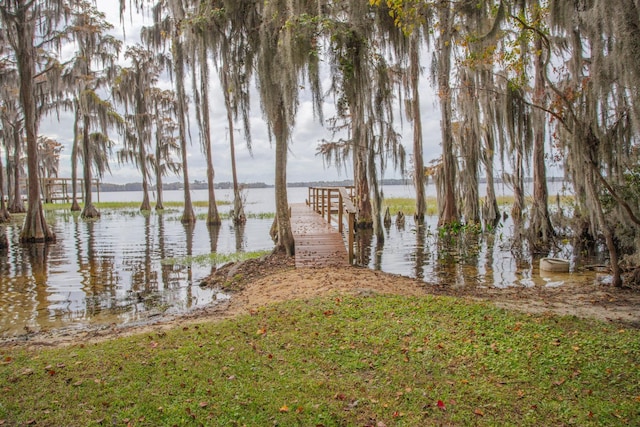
559	382
284	408
478	412
154	344
203	404
441	405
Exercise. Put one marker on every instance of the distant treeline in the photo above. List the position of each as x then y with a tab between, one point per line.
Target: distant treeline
202	185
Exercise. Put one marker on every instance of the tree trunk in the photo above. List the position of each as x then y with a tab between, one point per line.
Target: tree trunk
285	235
89	210
213	217
158	159
35	229
616	271
10	166
15	204
146	204
540	227
491	211
188	216
363	198
449	210
75	207
376	206
518	192
238	210
418	160
4	213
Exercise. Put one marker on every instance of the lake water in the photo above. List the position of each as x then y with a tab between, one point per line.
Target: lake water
111	271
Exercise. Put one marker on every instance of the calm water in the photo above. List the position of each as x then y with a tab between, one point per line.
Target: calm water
110	271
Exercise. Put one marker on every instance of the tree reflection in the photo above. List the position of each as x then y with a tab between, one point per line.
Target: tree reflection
364	242
189	228
97	270
214	235
419	254
239	235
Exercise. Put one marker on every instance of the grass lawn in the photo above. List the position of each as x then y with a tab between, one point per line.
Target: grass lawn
338	361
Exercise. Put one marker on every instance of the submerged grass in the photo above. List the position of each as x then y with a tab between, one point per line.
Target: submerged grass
130	205
338	361
214	258
408	204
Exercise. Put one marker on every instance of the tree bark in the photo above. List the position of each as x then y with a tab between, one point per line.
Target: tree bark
159	189
285	235
15	204
188	216
449	210
35	229
540	226
213	217
75	207
89	210
362	193
4	213
238	210
418	159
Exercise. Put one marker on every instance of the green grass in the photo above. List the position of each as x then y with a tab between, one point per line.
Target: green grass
408	205
338	361
130	205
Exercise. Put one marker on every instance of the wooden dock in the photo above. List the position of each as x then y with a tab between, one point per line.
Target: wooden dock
318	244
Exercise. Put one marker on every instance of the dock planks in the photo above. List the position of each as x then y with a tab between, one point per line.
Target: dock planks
318	244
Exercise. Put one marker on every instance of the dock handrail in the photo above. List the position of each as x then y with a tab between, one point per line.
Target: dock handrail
328	201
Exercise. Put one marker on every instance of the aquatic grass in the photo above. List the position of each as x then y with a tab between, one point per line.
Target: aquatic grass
379	360
129	205
214	258
250	215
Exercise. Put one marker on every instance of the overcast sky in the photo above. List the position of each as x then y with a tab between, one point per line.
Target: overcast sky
303	164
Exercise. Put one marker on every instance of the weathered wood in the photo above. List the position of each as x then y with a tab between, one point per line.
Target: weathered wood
317	243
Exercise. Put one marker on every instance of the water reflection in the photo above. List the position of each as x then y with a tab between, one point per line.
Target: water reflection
461	259
125	267
128	267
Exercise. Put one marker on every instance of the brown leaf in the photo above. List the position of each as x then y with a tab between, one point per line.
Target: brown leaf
284	408
478	412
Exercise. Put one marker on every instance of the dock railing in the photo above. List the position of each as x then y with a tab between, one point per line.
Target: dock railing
335	203
59	189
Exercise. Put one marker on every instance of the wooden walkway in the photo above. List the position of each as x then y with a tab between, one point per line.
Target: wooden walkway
318	244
